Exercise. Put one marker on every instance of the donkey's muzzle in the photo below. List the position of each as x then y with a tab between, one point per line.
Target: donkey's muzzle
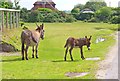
88	48
42	38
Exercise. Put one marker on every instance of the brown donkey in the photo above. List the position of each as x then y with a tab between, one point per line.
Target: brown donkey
31	38
72	42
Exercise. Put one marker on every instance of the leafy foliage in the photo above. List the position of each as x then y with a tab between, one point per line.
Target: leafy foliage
45	10
16	2
85	16
24	14
116	16
75	12
45	15
80	6
6	4
33	16
94	6
115	19
104	14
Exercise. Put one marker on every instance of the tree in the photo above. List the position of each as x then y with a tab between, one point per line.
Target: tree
75	12
16	2
70	18
94	6
96	0
40	17
116	16
33	16
8	5
80	6
104	14
50	17
24	14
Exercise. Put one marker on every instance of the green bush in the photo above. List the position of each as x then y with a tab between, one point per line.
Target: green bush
46	15
93	19
50	18
115	20
84	16
24	14
104	14
70	18
33	16
40	17
45	10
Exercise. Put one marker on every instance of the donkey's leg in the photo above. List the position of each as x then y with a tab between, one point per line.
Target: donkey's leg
71	53
22	51
33	52
66	53
36	50
26	55
82	56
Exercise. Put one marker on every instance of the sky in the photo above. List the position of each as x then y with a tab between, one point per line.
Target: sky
64	4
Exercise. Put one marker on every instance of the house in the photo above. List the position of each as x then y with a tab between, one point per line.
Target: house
44	4
87	10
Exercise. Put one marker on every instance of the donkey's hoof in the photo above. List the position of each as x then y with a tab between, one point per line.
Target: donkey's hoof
37	57
32	56
26	58
22	58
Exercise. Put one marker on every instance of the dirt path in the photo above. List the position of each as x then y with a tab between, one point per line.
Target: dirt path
108	68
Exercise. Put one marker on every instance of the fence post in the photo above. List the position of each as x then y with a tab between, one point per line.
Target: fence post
16	19
2	20
10	20
13	19
6	19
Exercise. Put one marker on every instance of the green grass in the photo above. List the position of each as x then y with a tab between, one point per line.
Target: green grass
50	64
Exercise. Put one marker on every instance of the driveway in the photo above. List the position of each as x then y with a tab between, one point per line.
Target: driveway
108	68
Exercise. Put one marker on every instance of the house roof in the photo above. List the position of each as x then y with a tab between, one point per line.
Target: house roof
44	2
87	10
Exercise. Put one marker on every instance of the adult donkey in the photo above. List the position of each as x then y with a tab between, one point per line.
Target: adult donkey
72	42
31	38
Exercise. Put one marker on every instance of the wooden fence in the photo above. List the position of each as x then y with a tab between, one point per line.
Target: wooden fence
9	18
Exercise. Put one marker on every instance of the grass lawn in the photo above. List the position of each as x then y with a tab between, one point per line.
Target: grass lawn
50	64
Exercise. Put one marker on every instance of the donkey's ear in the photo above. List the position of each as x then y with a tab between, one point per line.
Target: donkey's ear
36	24
90	37
85	36
42	26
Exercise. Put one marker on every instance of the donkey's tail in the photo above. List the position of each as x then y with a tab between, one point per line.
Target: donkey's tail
22	41
22	48
66	44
